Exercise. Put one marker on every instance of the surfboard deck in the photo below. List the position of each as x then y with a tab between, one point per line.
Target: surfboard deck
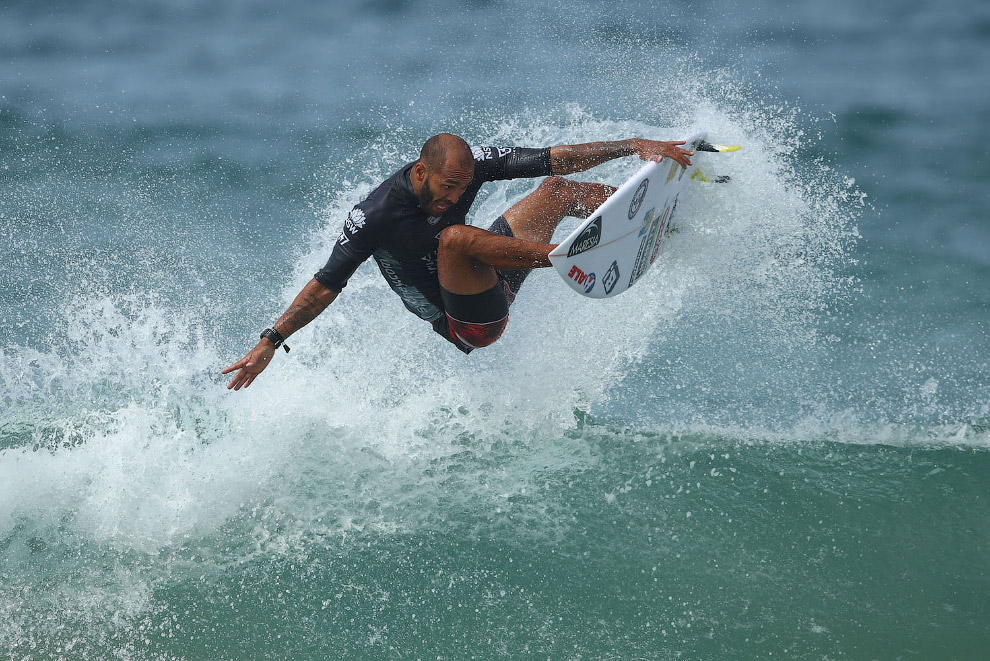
607	253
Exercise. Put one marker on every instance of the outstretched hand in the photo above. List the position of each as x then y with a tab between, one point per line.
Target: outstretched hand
251	365
655	150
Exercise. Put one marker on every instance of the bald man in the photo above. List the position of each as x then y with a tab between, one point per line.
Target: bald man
461	279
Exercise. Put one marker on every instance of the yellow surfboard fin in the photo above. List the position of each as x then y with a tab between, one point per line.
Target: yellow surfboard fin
698	175
707	146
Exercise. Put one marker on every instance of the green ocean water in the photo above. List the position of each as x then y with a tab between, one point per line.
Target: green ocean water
644	546
774	446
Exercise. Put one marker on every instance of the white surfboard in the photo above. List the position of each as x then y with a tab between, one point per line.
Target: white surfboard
618	243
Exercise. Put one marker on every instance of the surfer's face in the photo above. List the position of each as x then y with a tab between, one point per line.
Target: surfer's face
442	188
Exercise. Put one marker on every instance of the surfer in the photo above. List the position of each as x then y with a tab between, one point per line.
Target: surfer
459	278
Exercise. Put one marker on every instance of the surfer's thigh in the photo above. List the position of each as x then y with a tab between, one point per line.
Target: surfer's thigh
536	216
512	277
458	271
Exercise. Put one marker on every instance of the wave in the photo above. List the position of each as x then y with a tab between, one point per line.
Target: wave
127	468
128	386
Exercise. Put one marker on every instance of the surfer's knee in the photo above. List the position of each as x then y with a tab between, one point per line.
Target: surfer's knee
450	237
558	192
573	195
556	186
457	239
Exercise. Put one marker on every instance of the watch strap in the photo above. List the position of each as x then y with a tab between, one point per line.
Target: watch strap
276	338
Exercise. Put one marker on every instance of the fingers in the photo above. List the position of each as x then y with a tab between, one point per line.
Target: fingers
678	154
657	151
681	156
242	379
236	382
249	367
236	366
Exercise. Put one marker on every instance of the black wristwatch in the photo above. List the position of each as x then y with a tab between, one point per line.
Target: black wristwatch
276	338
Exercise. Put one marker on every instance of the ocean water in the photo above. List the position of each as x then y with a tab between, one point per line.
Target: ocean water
774	446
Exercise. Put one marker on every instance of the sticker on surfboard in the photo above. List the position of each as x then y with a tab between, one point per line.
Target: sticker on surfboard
607	253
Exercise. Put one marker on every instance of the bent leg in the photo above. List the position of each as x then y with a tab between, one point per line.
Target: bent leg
476	300
536	216
468	257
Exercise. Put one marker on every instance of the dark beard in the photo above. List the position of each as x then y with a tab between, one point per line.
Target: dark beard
424	197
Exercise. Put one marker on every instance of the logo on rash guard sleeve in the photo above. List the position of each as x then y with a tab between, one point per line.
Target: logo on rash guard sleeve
355	220
488	153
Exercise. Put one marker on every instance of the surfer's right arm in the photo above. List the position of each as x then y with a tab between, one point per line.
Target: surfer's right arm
308	304
356	243
568	159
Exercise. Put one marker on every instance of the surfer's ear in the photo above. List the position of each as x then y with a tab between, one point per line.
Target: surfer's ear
418	173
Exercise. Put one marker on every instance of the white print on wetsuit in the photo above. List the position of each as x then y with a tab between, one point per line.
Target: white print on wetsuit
487	153
431	262
355	220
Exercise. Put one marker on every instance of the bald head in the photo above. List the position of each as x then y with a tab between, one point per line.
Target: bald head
442	174
446	149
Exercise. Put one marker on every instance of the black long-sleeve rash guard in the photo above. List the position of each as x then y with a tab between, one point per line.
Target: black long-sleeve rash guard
389	226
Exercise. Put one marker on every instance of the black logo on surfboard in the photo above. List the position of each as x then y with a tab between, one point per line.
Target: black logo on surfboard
638	196
611	277
588	238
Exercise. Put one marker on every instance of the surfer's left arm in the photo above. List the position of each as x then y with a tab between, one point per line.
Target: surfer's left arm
308	304
567	159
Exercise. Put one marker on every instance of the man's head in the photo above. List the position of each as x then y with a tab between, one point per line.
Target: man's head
443	172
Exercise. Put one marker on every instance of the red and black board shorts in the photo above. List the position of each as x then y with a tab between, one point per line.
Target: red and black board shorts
476	320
